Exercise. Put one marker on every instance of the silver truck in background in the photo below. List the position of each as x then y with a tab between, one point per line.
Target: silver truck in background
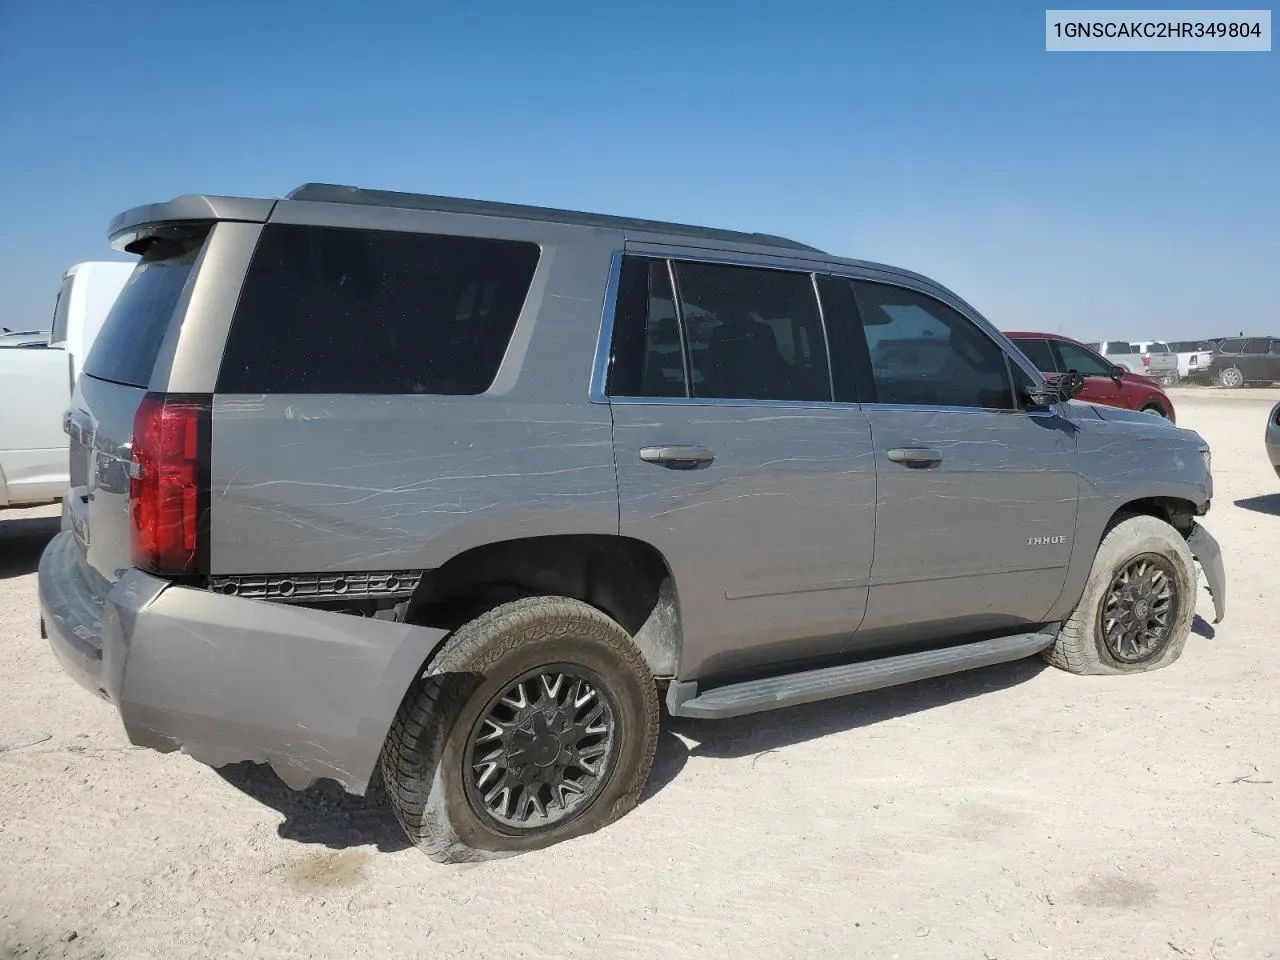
1148	358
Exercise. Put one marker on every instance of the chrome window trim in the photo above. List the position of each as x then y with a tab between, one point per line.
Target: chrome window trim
826	337
677	305
604	342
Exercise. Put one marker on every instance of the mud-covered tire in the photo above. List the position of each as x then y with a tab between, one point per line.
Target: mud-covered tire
1080	646
427	755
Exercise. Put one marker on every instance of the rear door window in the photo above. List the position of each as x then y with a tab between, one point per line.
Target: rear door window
129	342
1230	346
1254	346
350	311
752	334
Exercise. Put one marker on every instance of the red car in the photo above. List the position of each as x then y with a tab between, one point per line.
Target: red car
1104	382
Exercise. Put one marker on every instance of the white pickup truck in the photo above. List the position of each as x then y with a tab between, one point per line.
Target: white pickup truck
1147	358
36	379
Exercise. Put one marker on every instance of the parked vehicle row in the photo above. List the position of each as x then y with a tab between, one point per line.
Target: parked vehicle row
37	374
455	490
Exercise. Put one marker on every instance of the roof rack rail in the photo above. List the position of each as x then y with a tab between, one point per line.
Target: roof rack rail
335	193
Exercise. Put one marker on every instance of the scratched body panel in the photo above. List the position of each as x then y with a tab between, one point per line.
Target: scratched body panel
952	552
369	483
770	544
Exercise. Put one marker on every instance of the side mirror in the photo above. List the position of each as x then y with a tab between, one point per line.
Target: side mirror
1117	373
1057	389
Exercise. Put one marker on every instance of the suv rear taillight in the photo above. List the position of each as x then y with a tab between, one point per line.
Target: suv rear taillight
169	484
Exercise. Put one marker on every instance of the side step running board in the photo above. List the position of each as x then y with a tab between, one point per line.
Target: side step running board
753	696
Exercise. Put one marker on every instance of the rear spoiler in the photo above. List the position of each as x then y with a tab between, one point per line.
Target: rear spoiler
130	230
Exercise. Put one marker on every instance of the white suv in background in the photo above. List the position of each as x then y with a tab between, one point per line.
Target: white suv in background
1194	357
1149	358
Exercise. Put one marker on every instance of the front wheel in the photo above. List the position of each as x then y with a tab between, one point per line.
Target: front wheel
1230	377
536	722
1138	603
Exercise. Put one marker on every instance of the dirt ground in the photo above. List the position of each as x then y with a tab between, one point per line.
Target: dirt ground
1012	812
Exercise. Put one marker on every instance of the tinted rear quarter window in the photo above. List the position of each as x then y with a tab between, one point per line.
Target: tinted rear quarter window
1254	346
1230	346
341	310
129	342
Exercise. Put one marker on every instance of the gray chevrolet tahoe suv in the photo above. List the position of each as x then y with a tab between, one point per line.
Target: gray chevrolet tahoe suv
454	491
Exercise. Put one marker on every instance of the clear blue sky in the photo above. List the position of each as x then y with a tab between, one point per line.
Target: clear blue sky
1100	194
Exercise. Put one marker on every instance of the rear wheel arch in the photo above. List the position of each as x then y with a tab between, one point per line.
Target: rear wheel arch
629	580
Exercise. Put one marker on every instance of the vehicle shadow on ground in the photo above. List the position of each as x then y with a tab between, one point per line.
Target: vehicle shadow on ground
327	815
1268	503
22	540
776	729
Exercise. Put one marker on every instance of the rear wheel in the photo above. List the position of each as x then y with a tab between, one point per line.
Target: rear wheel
535	723
1138	604
1230	377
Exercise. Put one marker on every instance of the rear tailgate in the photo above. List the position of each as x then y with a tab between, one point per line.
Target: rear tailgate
1158	358
116	377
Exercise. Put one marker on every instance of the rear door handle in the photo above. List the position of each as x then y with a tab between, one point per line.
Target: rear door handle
677	458
915	456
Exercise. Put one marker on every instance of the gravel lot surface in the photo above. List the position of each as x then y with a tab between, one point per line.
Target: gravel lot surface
1012	812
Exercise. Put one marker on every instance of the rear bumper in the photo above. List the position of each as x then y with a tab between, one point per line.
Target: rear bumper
1206	550
226	679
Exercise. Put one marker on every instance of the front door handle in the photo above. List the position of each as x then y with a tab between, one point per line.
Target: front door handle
677	458
916	456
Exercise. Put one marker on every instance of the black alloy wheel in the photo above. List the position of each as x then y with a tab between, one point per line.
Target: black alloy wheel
1137	613
541	750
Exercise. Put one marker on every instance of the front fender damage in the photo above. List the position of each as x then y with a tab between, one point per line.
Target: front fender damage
1209	555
